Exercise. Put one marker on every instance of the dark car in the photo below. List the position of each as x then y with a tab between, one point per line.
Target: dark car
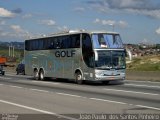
2	72
20	69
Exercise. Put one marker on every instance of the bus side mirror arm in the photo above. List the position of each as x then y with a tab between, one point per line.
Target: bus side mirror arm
96	55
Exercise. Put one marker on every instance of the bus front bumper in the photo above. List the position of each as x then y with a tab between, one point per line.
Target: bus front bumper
101	75
109	78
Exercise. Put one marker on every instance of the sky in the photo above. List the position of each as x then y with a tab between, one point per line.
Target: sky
137	21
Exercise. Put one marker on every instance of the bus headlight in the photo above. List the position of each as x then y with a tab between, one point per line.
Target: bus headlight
97	74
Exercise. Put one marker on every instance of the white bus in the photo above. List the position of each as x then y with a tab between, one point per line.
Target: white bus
79	56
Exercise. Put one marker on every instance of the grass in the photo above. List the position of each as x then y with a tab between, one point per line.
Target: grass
147	63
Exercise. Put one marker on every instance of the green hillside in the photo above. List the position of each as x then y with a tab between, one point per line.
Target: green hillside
146	63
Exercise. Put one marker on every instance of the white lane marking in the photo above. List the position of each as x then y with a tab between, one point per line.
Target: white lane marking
35	109
22	76
5	78
68	95
46	112
141	81
15	86
108	101
141	106
154	108
150	86
46	82
27	107
39	90
134	92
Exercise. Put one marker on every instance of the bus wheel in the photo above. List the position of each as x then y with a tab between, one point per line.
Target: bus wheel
23	73
105	82
3	73
78	78
41	75
36	76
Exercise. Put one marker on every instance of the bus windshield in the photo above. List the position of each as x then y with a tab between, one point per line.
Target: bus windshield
105	40
110	60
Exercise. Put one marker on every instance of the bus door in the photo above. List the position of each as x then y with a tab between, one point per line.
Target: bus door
88	57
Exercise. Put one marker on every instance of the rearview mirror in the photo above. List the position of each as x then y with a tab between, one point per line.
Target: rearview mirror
96	55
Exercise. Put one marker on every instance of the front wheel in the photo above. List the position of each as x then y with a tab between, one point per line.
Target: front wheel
78	78
105	82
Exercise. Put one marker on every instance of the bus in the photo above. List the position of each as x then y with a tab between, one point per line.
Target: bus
76	55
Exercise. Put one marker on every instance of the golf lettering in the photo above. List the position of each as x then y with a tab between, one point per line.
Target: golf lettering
65	53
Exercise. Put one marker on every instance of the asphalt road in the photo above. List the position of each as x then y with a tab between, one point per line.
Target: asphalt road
60	99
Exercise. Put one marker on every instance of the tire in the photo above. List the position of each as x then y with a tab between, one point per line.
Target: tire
105	82
78	78
36	76
3	73
23	72
41	75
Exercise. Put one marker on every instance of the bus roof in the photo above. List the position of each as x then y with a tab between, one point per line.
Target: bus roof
70	32
92	32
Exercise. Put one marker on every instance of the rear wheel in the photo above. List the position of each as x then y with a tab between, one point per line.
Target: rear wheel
36	76
23	72
3	73
78	78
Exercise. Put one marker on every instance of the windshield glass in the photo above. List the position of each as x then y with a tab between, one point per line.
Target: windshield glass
104	40
110	60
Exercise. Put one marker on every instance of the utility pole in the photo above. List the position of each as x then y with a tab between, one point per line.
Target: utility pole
11	51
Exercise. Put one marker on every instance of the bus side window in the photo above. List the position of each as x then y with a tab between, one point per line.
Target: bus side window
27	45
75	41
65	42
57	44
51	45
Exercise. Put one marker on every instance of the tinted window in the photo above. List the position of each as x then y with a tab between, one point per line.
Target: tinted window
75	41
27	45
61	42
87	50
86	42
65	43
